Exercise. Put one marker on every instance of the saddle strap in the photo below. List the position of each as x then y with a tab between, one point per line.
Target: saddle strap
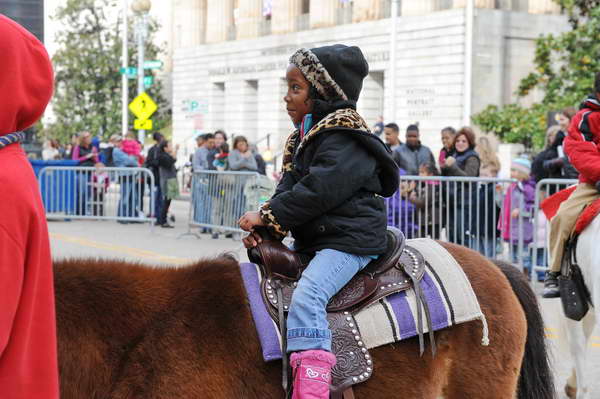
283	331
421	302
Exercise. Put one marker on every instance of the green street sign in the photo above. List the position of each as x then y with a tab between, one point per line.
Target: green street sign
148	81
131	72
154	64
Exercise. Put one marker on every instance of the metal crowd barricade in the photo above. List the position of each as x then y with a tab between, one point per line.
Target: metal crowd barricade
466	211
107	193
219	199
545	188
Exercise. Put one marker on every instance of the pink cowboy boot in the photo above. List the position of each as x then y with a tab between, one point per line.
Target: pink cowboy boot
312	374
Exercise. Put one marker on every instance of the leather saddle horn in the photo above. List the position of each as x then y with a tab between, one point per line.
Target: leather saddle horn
274	257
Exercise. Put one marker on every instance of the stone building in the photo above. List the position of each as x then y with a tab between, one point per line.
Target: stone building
230	58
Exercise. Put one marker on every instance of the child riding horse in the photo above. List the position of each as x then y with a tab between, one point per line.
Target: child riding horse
330	197
582	145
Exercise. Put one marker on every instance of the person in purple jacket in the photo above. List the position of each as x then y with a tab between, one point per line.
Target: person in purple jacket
401	213
516	220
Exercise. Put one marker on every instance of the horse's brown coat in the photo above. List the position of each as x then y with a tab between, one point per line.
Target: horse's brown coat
130	331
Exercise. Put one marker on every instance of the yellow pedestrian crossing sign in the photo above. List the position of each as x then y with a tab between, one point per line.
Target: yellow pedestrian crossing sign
142	124
143	107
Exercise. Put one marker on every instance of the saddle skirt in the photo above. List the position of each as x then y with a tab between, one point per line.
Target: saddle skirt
390	314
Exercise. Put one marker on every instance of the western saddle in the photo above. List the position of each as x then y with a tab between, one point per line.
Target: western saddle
399	269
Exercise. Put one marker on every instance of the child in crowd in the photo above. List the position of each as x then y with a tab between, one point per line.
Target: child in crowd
516	219
540	243
221	159
132	147
448	135
100	184
330	197
401	213
426	198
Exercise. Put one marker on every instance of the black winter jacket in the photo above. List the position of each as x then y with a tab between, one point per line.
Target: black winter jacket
330	195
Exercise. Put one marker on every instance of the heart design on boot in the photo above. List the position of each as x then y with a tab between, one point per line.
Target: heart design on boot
310	373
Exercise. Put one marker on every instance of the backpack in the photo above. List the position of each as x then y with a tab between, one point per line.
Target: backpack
108	157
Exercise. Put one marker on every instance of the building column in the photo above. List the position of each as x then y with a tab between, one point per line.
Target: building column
367	10
284	15
220	15
323	13
543	7
478	3
189	23
420	7
250	17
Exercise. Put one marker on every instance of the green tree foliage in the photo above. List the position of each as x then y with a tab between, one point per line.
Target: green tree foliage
87	63
565	66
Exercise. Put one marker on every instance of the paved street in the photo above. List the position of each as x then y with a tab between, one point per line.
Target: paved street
169	247
138	242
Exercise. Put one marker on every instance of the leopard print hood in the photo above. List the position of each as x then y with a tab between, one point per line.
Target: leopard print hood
336	72
347	120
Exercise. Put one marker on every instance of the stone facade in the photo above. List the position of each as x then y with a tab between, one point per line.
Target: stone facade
239	85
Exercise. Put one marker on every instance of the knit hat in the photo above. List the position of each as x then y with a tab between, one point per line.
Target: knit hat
522	165
336	72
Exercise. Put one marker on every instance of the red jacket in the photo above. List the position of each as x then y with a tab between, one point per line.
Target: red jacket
28	360
582	145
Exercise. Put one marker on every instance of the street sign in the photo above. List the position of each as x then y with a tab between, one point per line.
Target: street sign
148	81
142	106
154	64
131	72
142	124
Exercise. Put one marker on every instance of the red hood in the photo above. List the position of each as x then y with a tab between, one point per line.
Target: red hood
591	103
26	77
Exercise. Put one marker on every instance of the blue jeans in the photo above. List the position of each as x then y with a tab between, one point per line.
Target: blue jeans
82	184
327	273
128	201
525	256
158	199
202	203
485	245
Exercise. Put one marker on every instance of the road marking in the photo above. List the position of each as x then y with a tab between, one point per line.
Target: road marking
135	252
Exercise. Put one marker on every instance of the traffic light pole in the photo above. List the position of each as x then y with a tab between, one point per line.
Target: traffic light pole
125	78
141	33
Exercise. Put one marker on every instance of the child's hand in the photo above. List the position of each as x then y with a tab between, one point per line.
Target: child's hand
251	240
412	197
515	213
249	220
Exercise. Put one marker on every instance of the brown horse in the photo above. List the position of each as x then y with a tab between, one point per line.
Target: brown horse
133	331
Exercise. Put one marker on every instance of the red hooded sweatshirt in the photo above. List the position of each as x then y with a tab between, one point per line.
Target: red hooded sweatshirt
28	359
582	145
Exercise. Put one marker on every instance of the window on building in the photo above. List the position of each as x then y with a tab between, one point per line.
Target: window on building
250	109
305	6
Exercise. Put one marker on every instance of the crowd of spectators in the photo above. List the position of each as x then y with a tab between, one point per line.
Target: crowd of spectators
214	152
480	213
217	199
